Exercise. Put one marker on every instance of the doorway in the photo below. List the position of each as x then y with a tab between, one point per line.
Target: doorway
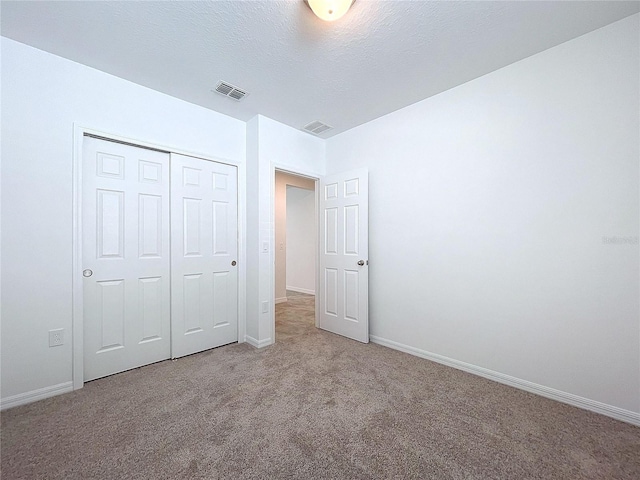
295	255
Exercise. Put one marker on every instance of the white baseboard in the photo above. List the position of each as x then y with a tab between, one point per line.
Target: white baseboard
281	300
34	395
569	398
301	290
257	343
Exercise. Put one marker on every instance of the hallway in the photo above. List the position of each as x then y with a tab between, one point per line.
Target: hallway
296	316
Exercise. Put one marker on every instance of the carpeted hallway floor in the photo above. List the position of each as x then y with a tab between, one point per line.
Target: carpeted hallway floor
312	406
295	317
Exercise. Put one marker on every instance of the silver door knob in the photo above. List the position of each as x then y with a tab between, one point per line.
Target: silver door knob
361	262
87	273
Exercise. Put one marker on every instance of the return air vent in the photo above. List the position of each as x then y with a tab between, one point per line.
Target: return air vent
317	127
231	91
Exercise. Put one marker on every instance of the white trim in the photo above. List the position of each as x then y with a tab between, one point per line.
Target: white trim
281	300
257	343
281	167
319	279
77	331
242	251
77	321
301	290
136	142
34	395
564	397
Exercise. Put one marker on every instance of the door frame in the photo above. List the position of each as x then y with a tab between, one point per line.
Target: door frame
272	259
77	314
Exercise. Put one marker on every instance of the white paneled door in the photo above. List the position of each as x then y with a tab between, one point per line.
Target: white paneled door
125	255
203	255
344	265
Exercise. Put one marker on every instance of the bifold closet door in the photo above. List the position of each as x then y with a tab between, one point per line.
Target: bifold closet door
125	255
204	248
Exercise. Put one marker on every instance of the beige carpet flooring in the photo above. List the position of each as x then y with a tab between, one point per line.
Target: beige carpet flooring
313	406
295	317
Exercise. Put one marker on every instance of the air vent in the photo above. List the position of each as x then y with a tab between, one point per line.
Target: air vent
317	127
231	91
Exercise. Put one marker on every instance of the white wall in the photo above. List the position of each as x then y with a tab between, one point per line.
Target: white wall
488	208
253	231
301	240
42	96
271	145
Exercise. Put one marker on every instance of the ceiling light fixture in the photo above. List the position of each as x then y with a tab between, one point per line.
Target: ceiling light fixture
329	10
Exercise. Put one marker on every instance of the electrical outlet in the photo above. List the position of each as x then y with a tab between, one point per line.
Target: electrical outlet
56	337
265	307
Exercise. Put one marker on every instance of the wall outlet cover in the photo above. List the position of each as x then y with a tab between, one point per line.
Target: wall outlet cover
56	337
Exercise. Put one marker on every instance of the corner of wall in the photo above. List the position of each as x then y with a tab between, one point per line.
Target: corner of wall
252	228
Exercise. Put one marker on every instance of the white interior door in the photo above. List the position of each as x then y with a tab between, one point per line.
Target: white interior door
125	254
344	265
204	249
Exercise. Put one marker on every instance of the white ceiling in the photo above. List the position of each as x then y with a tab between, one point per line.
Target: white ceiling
382	56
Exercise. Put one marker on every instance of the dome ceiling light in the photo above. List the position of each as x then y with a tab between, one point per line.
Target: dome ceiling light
329	10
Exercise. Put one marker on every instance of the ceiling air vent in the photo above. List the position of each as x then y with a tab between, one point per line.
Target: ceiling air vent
231	91
317	127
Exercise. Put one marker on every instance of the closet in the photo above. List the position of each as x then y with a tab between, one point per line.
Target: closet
159	255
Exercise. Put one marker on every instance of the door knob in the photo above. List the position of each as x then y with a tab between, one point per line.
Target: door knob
233	264
361	262
87	273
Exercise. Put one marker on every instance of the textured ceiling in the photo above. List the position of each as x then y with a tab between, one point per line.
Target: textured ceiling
382	56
